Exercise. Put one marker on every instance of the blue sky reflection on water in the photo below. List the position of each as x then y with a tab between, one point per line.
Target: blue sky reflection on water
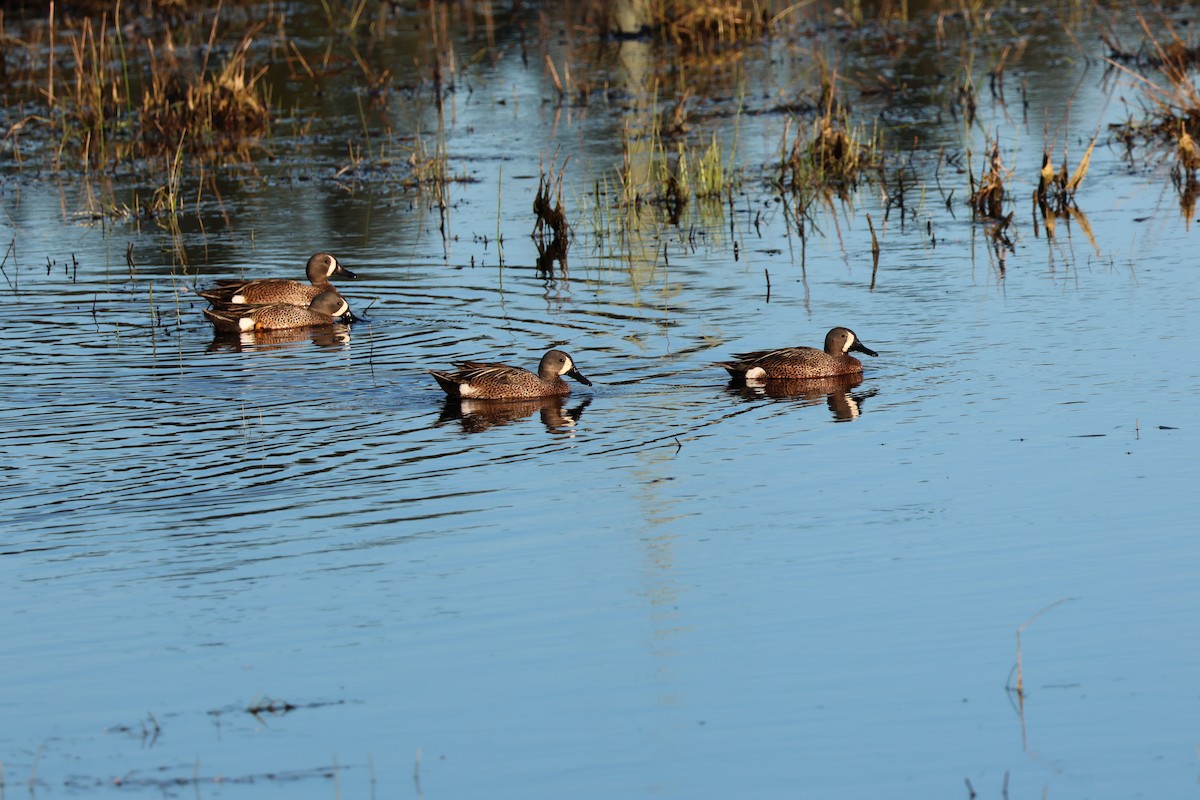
662	588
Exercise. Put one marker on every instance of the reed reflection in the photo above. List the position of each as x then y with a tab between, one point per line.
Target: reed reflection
835	392
476	416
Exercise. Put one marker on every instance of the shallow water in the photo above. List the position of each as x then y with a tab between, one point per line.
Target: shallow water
661	586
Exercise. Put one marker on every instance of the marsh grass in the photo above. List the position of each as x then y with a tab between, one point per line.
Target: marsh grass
715	175
106	100
662	165
213	110
989	200
103	92
695	173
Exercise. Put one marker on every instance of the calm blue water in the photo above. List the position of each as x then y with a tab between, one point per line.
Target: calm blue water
661	587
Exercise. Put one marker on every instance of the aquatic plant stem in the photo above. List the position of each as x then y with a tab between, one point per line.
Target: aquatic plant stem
499	205
11	250
50	77
1020	676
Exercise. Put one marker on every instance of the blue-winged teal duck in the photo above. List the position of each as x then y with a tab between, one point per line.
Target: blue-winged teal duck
321	267
791	363
325	309
502	382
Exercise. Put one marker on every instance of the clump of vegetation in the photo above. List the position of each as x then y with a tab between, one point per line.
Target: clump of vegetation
551	231
1056	191
430	168
832	155
988	195
217	112
551	220
1054	197
691	175
713	177
661	165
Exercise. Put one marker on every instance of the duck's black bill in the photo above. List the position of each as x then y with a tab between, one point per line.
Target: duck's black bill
577	375
862	348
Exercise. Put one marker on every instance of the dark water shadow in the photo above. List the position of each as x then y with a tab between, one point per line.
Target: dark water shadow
835	392
476	416
328	337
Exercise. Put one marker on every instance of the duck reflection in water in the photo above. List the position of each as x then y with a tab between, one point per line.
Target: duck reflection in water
835	392
477	416
329	337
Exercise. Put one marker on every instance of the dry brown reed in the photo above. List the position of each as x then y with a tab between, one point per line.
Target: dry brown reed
1187	154
988	195
1056	190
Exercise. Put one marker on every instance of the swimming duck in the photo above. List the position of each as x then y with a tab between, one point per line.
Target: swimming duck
321	267
325	309
480	381
791	363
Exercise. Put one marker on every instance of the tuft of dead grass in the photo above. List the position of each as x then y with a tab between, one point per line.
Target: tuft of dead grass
988	194
830	155
215	113
1056	189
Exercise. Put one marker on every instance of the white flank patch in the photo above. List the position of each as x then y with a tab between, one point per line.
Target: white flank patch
467	390
238	299
755	374
246	323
